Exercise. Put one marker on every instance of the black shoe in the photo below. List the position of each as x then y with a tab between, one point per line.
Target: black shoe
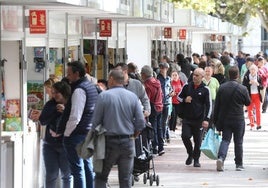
263	111
258	127
239	168
196	163
189	160
162	152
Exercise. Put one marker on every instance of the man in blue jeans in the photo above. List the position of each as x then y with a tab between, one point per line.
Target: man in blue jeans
77	117
229	118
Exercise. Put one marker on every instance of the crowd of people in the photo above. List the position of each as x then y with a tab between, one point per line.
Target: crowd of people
123	103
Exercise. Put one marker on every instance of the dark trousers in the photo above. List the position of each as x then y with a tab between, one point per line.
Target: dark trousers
236	128
174	117
193	129
55	159
264	104
118	151
82	169
155	120
164	121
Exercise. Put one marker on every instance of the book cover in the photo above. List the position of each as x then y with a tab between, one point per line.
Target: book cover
13	124
12	108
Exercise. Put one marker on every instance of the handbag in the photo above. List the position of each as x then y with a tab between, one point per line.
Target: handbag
211	144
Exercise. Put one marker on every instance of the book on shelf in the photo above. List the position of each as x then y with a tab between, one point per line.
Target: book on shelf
12	108
13	124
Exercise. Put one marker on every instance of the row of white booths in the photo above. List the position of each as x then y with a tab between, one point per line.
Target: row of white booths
38	37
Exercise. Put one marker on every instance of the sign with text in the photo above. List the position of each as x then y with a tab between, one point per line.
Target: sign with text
182	34
105	28
37	22
168	32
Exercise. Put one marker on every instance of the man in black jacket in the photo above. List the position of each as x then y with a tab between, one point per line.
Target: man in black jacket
197	103
229	117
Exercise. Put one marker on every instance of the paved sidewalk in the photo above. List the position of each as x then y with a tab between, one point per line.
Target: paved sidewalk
173	173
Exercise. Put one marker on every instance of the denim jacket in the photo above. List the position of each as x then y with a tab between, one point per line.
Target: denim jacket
166	88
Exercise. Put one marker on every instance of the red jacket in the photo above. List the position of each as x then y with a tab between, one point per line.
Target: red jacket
154	92
177	87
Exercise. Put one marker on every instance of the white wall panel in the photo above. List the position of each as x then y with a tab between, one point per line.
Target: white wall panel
139	45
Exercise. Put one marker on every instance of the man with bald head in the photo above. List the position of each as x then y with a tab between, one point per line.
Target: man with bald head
197	103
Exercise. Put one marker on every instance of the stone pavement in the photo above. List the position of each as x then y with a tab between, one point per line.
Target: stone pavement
173	173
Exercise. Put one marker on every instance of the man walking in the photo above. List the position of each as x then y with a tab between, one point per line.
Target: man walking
197	103
119	112
229	117
166	97
77	117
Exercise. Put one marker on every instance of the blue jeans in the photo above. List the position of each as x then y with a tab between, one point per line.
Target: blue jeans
82	169
155	120
164	122
118	151
236	128
55	159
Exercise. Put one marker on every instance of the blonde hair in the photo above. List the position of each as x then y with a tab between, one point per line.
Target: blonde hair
253	67
49	82
218	66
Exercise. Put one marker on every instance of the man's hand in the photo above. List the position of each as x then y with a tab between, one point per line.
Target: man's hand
205	124
188	99
35	114
136	134
146	113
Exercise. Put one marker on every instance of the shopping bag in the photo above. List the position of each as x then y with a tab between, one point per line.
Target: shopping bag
211	144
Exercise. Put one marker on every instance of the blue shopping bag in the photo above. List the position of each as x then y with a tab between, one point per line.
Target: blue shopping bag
211	144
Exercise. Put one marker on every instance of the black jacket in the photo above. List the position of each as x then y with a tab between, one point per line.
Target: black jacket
201	106
229	107
51	117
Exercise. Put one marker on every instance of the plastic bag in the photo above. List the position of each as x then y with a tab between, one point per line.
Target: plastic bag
211	144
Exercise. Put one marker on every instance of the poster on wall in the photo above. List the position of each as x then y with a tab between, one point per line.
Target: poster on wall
2	63
12	108
39	53
35	96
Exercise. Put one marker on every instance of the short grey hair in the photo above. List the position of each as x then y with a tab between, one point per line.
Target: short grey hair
117	75
147	71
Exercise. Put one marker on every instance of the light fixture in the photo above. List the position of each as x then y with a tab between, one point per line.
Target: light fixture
223	7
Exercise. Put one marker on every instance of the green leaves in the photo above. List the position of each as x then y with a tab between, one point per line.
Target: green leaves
237	12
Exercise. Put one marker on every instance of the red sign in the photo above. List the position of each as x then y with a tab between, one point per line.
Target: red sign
219	37
168	32
182	34
37	22
213	37
105	28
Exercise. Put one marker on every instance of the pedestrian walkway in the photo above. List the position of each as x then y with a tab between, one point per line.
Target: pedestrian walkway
173	172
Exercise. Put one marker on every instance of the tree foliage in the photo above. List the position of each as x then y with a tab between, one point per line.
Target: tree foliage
237	12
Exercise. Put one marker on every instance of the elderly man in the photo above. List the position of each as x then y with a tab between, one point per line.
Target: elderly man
197	103
119	112
154	92
136	87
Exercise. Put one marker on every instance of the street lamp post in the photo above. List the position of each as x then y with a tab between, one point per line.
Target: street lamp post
222	10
